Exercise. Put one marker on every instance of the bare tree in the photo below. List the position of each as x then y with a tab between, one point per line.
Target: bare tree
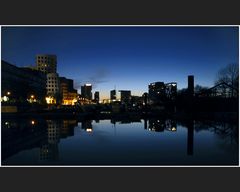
230	76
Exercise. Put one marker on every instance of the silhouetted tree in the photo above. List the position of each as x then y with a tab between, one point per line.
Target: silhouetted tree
199	89
230	76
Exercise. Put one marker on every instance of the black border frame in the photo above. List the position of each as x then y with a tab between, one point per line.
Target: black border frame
182	12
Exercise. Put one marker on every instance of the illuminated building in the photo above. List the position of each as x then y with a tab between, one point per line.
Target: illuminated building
86	91
125	96
113	95
46	63
156	92
171	90
53	88
68	94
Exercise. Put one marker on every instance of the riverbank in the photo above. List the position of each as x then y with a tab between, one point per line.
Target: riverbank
220	116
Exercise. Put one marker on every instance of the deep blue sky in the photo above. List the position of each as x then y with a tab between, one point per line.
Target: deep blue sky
126	57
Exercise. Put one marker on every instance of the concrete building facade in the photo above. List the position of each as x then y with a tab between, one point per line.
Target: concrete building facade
46	63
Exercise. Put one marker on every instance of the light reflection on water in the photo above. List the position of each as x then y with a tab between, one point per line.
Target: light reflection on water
125	142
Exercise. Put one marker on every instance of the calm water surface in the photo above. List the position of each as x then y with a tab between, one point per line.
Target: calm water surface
109	142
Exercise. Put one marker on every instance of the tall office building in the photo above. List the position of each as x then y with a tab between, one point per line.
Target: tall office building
156	92
53	84
125	96
171	90
86	91
113	95
46	63
96	96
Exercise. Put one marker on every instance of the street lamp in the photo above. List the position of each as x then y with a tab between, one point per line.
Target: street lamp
8	93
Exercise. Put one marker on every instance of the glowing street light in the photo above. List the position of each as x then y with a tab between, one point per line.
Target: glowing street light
8	93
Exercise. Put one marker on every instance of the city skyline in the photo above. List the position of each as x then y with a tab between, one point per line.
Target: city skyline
129	58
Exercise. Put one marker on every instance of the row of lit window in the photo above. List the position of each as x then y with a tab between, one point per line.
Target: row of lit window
53	85
52	78
52	82
52	89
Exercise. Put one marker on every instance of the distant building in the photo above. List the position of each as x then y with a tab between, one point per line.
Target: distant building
171	90
113	95
20	84
68	94
86	91
125	96
191	85
96	97
47	63
156	92
136	101
145	98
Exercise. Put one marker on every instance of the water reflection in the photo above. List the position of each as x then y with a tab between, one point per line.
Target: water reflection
23	135
87	125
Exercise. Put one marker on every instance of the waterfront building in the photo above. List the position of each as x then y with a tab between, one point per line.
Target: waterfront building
53	89
171	90
68	94
86	91
46	63
125	96
20	85
156	92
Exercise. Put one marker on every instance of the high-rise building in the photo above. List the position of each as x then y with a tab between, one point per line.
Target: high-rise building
96	96
191	85
171	90
145	98
156	92
113	95
86	91
47	63
53	88
125	96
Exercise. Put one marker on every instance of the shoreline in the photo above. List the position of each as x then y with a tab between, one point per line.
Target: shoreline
219	116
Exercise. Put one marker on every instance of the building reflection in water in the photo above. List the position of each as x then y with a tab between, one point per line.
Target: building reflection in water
190	137
171	125
49	151
159	125
87	125
56	130
22	134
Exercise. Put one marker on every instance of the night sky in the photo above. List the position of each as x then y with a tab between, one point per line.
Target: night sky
126	57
